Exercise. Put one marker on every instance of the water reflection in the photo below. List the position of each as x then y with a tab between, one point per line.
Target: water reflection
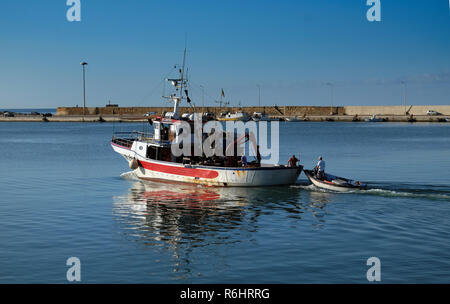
184	217
320	198
172	213
176	213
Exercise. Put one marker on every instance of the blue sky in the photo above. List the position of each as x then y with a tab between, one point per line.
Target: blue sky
290	48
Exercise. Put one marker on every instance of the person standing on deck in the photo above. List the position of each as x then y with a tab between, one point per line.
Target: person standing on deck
292	162
320	168
244	160
258	156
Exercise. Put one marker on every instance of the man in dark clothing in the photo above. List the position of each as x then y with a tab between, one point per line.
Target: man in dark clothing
292	162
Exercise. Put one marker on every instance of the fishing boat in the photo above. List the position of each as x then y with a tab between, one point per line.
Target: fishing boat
257	116
292	119
374	118
150	156
334	183
238	116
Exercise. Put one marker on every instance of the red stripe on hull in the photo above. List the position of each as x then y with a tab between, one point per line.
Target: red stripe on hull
114	144
201	173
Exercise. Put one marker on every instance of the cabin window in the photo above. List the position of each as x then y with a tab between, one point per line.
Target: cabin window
165	131
152	152
157	130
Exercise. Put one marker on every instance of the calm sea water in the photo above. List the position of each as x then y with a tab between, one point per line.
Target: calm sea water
65	193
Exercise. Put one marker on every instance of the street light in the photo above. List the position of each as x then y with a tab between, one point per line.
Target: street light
404	96
332	88
84	64
203	96
259	96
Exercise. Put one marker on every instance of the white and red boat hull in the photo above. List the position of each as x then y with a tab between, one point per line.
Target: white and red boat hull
329	185
150	169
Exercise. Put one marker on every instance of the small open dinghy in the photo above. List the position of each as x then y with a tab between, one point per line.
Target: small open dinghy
334	183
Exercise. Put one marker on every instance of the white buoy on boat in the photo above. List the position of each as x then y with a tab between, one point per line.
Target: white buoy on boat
133	164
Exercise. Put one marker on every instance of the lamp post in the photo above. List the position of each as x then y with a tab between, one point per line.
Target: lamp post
404	96
84	64
203	96
332	89
259	95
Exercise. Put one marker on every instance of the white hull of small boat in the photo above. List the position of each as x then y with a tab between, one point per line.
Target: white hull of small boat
260	117
238	116
334	183
292	119
374	118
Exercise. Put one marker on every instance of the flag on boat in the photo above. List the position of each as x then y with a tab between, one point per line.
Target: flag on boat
223	93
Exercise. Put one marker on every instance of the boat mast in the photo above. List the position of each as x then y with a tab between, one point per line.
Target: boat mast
178	100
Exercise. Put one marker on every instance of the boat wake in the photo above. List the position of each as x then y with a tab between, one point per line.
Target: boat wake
385	190
407	191
431	195
309	187
129	176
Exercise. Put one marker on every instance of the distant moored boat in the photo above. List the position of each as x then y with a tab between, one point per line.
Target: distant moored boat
374	118
292	119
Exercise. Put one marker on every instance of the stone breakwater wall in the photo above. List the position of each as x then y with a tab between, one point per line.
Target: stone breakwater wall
275	111
270	110
395	110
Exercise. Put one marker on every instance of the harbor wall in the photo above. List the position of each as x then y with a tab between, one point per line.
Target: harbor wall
270	110
395	110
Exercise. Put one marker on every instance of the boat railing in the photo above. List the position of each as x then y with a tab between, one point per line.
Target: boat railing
127	138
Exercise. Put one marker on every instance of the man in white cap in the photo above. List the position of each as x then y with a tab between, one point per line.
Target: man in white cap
244	160
320	168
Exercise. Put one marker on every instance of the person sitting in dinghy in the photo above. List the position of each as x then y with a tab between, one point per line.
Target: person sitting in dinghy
320	168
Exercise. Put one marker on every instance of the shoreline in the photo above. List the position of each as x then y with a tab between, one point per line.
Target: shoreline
140	118
410	114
